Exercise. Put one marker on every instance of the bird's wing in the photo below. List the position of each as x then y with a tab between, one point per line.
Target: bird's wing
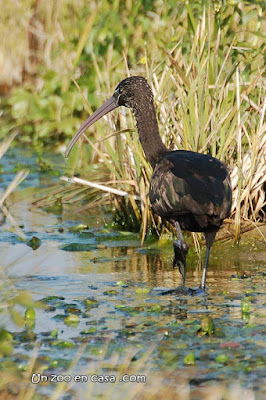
187	182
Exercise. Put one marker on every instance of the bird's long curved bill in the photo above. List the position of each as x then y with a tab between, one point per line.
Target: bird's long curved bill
108	106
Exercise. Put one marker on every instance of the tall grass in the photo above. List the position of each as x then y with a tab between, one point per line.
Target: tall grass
204	61
206	103
21	175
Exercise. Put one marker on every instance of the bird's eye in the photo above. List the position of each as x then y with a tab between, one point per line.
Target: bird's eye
118	93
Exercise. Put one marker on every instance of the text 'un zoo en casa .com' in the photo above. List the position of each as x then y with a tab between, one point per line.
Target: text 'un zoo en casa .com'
94	378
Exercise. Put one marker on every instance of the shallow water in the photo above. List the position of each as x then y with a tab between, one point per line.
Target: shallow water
127	320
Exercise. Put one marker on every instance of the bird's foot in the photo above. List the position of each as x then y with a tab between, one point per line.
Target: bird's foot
178	291
200	292
183	291
202	288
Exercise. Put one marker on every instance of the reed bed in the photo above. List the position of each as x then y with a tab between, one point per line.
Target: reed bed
204	104
204	61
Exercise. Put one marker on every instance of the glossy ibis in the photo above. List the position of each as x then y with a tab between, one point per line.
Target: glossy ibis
191	190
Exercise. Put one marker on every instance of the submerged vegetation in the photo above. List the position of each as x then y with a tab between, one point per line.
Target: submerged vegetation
101	312
204	61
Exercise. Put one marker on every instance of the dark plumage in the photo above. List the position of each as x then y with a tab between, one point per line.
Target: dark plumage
191	190
197	192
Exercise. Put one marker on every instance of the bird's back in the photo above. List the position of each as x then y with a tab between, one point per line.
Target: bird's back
191	188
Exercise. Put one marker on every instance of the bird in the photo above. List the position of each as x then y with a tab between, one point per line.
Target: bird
190	190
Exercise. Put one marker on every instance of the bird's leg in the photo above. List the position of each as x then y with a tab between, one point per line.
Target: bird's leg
182	243
180	249
210	236
204	273
180	260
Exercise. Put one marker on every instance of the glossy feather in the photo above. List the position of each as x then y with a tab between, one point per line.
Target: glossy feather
191	188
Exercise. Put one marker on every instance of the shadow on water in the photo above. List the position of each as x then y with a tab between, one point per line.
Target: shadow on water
100	291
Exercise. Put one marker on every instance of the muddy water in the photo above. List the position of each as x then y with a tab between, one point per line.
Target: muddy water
116	289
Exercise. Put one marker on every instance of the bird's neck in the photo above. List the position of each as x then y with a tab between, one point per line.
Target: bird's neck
148	131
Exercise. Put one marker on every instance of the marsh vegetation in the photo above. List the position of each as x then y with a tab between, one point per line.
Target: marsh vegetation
78	291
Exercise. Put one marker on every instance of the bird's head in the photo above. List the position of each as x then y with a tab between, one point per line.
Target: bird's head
132	92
